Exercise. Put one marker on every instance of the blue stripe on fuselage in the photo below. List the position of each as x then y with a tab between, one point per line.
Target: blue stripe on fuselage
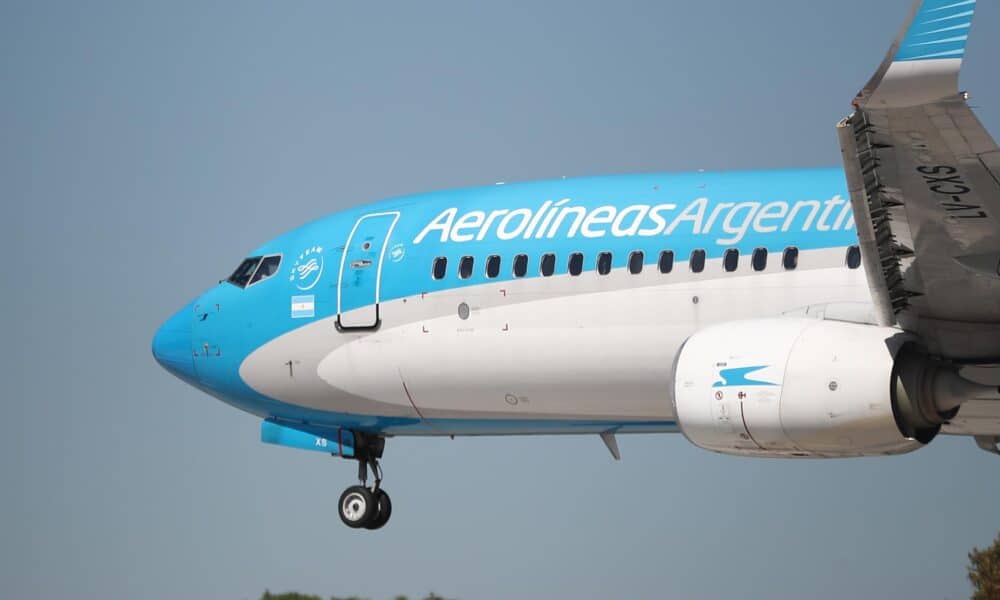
818	197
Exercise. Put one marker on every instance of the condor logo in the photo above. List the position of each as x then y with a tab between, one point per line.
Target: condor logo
308	269
741	376
947	181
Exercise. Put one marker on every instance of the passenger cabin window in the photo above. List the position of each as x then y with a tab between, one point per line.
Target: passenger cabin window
493	266
268	267
241	276
853	257
440	267
604	263
575	263
666	262
520	265
731	260
548	264
759	260
635	261
465	267
790	259
697	261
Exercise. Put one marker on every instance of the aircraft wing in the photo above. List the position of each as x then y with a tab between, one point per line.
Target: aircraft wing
924	178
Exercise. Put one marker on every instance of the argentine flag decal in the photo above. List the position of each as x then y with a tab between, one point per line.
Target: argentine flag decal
303	307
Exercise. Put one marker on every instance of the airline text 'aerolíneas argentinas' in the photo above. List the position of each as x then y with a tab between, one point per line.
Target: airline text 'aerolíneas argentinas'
840	312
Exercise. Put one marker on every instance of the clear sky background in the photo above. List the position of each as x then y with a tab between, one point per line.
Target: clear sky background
145	148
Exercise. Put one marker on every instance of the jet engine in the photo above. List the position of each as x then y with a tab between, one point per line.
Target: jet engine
799	387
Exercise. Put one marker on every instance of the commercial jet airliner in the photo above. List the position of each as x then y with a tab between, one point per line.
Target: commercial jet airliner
820	313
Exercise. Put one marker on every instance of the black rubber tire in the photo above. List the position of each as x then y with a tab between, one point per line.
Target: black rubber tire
357	507
383	512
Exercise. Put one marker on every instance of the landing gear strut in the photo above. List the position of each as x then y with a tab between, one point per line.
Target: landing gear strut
362	506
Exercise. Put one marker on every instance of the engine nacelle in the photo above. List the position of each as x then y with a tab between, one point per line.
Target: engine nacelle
788	387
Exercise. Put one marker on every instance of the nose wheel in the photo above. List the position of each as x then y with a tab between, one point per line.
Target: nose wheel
361	506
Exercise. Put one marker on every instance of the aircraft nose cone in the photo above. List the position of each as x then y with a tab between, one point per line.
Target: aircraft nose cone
172	345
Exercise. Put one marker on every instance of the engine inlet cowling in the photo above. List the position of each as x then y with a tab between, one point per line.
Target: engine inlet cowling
801	387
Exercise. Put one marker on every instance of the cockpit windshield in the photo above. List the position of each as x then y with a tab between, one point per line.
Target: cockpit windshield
268	266
255	269
241	276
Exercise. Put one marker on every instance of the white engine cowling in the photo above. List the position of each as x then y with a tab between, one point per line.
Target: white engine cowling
788	387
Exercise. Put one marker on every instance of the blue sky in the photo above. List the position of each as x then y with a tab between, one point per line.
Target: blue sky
145	148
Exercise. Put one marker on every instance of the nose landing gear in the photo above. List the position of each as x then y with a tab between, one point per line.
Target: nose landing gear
360	506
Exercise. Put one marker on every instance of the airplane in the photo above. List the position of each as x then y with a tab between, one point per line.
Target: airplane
816	313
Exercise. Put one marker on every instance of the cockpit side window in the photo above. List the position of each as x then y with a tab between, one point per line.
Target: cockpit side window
241	276
268	267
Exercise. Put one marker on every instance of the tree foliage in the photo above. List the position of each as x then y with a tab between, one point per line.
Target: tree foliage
267	595
984	571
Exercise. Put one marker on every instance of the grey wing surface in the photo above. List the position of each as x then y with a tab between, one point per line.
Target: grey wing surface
924	179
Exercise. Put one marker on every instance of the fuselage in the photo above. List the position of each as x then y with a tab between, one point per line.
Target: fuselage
546	307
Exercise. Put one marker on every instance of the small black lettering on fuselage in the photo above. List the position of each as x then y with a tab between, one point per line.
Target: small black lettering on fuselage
947	182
